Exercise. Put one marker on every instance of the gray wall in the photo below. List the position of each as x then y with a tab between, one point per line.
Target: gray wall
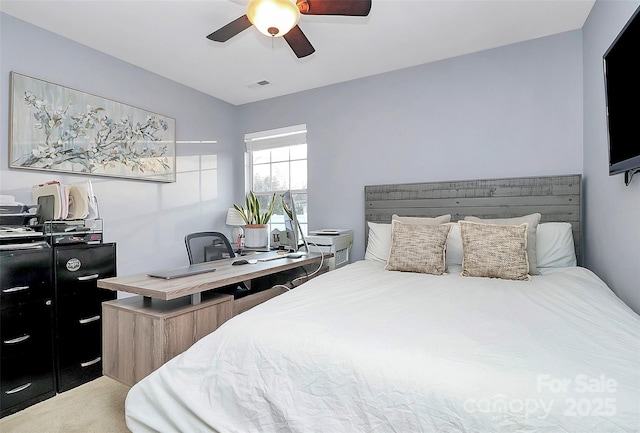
507	112
511	111
612	210
148	220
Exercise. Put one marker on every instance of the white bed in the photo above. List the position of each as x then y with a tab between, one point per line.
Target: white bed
361	349
367	349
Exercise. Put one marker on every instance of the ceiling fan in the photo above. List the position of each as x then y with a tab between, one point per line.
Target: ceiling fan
280	18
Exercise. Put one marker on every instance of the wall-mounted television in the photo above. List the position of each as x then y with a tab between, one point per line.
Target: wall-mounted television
622	94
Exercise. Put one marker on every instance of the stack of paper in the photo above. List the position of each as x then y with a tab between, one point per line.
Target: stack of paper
78	202
9	200
60	202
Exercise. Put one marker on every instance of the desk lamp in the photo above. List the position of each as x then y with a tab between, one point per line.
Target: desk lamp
236	220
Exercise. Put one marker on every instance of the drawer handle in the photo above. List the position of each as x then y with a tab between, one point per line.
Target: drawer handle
89	320
88	277
31	246
17	340
88	363
18	389
15	289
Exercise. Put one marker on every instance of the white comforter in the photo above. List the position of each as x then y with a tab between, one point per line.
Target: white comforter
361	349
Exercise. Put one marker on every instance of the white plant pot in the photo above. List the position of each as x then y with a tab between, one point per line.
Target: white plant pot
256	236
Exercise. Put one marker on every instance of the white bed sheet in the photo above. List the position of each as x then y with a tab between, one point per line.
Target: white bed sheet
361	349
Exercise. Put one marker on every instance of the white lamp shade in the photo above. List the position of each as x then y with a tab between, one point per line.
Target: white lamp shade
273	17
234	218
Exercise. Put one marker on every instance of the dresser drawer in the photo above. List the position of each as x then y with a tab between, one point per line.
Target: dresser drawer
79	307
25	276
79	330
27	376
25	329
79	267
80	357
79	342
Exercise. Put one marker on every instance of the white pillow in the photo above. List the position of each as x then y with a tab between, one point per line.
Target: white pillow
379	242
454	246
442	219
554	246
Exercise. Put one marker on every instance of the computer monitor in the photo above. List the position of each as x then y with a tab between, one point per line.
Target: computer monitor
293	238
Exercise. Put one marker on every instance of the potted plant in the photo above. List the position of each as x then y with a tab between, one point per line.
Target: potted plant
256	219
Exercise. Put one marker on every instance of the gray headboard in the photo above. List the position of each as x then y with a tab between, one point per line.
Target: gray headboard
557	198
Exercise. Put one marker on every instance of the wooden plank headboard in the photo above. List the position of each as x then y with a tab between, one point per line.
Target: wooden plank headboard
557	198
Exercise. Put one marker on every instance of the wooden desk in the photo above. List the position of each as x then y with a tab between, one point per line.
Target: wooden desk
224	275
140	333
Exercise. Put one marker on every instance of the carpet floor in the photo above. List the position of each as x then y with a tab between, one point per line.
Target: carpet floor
94	407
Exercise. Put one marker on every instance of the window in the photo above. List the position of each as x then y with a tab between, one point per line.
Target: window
277	162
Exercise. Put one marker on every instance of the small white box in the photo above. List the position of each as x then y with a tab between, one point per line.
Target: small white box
337	242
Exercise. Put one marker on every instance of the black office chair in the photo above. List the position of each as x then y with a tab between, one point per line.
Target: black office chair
207	246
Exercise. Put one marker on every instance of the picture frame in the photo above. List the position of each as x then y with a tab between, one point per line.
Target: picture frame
56	128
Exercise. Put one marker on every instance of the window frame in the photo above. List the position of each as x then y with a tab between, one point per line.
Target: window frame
274	139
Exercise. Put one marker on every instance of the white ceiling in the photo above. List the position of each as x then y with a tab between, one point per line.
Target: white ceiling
169	38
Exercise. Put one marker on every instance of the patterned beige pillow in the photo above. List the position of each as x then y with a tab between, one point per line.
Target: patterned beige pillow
532	220
493	250
418	248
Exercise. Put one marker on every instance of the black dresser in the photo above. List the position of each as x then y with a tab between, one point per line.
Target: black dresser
51	316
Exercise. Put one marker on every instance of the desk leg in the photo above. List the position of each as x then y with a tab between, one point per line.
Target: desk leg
196	298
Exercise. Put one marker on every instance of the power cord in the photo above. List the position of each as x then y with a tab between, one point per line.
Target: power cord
307	276
628	175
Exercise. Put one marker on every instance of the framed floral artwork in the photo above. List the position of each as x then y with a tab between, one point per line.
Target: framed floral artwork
61	129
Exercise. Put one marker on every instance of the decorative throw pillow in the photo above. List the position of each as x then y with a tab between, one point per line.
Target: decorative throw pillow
496	251
379	238
532	221
418	248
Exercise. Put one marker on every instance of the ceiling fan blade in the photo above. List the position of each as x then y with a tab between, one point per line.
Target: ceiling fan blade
356	8
299	42
225	33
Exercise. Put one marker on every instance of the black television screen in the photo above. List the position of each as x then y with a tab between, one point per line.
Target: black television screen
622	92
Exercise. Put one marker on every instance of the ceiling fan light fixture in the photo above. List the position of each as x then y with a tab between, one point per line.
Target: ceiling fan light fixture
273	17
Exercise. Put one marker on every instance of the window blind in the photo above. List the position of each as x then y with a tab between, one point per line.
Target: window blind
274	138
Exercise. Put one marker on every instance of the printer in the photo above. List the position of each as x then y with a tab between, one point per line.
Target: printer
335	241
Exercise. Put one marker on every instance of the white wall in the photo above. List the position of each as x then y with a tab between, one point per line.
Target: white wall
147	220
612	214
507	112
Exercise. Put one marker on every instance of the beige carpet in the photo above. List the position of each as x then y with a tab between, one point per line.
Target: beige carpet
95	407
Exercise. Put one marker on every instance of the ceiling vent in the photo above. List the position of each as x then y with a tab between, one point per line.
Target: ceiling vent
260	83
